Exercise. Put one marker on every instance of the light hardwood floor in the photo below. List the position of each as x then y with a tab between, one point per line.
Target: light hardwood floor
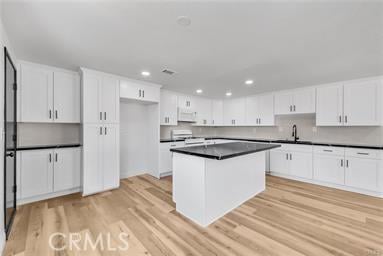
289	218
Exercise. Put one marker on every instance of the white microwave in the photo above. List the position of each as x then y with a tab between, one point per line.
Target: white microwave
186	115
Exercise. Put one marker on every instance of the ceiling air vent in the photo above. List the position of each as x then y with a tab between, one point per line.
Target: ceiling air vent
168	72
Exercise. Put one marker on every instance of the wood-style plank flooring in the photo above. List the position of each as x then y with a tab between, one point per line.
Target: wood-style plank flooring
289	218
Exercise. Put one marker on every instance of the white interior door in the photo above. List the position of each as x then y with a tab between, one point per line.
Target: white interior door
36	172
361	103
67	169
111	156
36	91
329	105
66	97
110	100
92	159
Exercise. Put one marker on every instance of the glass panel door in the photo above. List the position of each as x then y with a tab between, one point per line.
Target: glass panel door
10	129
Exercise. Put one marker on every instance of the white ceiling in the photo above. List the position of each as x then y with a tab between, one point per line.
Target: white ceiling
279	44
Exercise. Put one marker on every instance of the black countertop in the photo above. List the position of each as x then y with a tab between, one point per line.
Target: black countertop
73	145
313	143
225	150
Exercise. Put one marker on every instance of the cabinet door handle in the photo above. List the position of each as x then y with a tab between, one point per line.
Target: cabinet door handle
341	162
50	157
291	108
105	132
363	153
291	157
260	121
345	119
287	156
100	130
56	157
340	119
101	116
327	150
347	163
56	114
104	115
294	108
139	93
50	114
143	93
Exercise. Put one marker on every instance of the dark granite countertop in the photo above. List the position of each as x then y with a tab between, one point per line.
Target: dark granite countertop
314	143
226	150
33	147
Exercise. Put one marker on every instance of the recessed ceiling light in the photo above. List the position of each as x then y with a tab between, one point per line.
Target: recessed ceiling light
145	73
199	91
249	82
228	94
183	21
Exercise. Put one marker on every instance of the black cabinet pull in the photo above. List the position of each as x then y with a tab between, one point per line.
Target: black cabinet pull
56	157
345	119
287	156
294	108
104	115
291	157
139	93
50	157
50	114
347	163
100	130
362	153
100	115
327	150
56	114
291	108
105	131
341	162
143	93
340	119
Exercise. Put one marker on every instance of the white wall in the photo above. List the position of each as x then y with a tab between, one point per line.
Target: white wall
3	42
283	129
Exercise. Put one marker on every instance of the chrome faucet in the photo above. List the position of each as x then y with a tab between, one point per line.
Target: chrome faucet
295	133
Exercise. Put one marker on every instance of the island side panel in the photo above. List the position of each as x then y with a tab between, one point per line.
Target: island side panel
189	186
231	182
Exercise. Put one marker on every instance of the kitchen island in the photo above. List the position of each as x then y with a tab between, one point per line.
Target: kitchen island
211	180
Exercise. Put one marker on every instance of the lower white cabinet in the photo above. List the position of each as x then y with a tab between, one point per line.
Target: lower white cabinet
44	171
293	160
166	156
329	165
101	158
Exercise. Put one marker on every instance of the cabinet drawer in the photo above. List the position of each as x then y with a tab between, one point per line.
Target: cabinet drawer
168	145
336	151
364	153
294	147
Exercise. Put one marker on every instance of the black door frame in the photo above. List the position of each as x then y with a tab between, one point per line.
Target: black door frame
7	57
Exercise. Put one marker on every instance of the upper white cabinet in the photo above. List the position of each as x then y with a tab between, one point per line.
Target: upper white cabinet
203	108
137	90
356	103
186	101
48	94
260	110
297	101
217	112
234	111
168	108
100	98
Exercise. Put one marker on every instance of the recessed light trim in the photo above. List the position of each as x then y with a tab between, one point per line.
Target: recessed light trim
199	91
228	94
145	73
249	82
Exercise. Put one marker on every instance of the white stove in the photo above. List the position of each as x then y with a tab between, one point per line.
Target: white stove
187	135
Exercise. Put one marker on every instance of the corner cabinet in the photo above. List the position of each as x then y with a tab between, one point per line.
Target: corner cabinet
100	131
168	108
48	94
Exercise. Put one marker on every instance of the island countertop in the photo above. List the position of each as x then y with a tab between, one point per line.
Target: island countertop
226	150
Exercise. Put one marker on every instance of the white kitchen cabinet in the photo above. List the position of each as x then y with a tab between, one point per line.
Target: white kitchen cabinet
296	101
43	171
168	108
36	177
329	105
66	97
354	103
234	111
362	103
329	164
67	168
260	110
100	98
292	160
36	91
100	157
136	90
186	101
48	94
203	109
166	165
364	169
217	112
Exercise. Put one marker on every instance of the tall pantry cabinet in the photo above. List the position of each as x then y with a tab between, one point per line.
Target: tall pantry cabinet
100	131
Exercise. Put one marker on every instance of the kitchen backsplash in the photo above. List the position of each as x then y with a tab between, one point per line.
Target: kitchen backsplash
30	134
283	130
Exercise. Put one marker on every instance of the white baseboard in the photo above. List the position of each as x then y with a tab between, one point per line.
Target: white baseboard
21	201
2	242
331	185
